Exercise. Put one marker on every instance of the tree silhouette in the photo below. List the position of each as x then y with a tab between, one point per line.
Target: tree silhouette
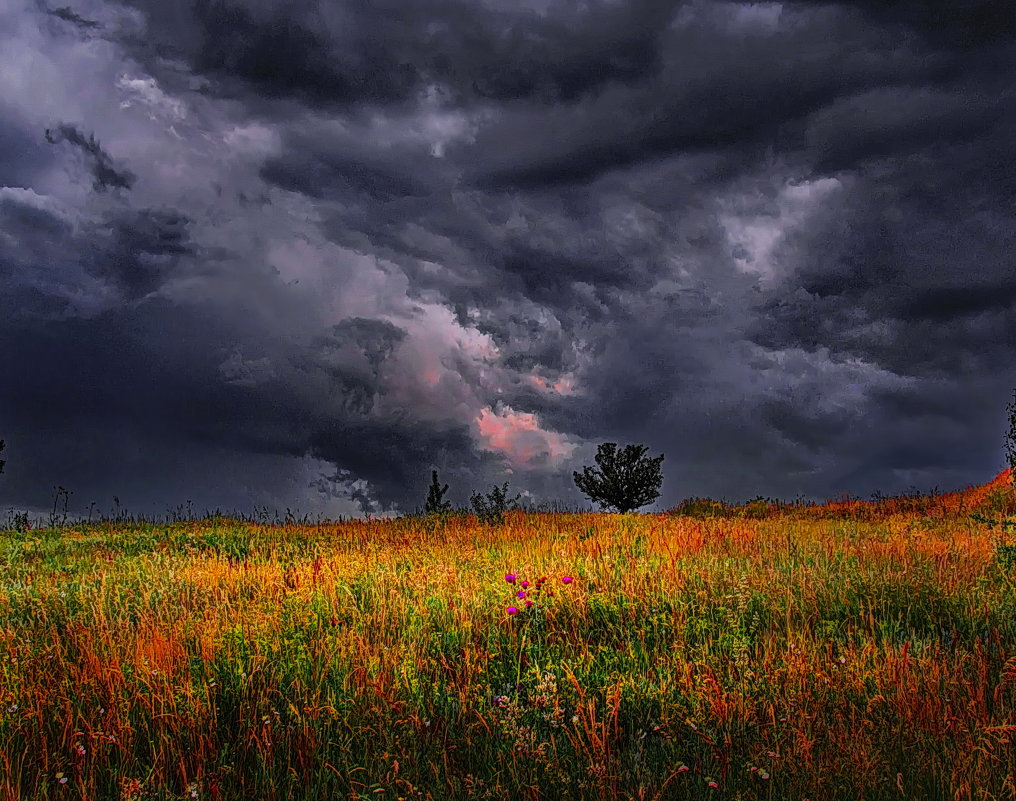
2	462
434	503
625	480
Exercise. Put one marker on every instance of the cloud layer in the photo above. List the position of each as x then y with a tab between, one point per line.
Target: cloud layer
299	254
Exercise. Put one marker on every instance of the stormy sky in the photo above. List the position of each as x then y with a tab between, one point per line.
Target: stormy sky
297	254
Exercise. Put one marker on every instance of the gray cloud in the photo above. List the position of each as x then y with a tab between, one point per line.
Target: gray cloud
107	175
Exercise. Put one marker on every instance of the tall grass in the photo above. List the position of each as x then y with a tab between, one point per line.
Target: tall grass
775	657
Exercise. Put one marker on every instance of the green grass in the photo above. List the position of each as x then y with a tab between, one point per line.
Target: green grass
773	656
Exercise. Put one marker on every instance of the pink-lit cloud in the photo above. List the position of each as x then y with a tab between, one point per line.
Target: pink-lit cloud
520	438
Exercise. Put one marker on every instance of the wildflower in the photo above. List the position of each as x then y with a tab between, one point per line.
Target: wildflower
510	578
512	610
528	603
520	594
712	784
567	579
683	768
525	584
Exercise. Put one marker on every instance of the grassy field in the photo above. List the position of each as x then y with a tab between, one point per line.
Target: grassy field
852	651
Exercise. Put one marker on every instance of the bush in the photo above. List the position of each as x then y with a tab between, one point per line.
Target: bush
491	509
625	479
701	508
18	522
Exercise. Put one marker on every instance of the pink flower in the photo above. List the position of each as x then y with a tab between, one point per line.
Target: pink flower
528	603
683	768
567	579
525	584
512	610
510	578
520	594
714	785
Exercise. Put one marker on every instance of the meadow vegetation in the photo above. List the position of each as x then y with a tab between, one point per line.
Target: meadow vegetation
856	650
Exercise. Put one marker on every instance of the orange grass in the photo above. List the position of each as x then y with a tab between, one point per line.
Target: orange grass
803	654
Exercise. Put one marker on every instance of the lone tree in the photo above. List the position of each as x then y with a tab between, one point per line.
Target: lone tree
434	503
625	480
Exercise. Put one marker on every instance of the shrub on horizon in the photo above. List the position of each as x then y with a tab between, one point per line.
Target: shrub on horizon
701	508
491	509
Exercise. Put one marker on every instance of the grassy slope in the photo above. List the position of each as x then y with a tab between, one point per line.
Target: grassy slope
852	651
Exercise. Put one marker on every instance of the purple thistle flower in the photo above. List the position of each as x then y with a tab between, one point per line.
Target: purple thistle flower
512	610
525	584
567	579
510	578
520	594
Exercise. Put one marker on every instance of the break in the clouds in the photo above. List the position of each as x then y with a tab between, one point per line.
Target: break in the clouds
297	255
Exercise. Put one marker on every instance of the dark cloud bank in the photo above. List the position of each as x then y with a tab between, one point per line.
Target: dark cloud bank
298	254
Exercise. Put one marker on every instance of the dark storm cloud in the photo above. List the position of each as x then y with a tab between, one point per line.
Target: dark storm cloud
965	24
139	249
106	173
384	52
917	277
328	174
131	253
23	152
717	90
886	122
351	356
398	449
364	240
35	236
68	15
281	56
